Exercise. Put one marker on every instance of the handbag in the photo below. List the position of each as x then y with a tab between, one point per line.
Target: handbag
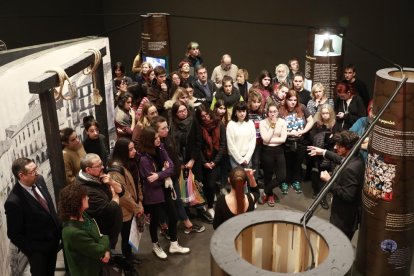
191	194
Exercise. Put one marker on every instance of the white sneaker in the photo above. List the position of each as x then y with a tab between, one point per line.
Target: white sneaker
176	248
156	247
211	212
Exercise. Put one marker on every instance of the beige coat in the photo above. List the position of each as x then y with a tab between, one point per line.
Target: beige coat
130	202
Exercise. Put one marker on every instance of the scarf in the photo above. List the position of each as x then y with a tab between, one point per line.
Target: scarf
276	100
229	100
211	135
88	177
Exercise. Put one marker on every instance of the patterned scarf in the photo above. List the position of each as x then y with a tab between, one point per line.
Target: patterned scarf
211	135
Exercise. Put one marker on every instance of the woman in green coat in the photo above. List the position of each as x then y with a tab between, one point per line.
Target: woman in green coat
86	250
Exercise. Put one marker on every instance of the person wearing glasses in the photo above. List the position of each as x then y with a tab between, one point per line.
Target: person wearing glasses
32	223
103	193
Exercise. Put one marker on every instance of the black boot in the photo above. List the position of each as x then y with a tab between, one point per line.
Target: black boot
324	203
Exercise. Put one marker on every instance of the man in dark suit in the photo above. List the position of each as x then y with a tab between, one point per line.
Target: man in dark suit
347	189
32	223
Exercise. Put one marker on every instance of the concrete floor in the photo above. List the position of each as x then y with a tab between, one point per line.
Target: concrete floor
198	261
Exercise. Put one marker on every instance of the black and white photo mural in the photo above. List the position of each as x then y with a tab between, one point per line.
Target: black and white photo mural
21	126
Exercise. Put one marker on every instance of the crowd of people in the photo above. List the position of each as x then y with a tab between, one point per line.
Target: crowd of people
241	140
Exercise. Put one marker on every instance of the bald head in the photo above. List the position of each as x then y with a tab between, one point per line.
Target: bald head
226	62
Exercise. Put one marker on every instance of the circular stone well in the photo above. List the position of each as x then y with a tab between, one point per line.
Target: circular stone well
274	243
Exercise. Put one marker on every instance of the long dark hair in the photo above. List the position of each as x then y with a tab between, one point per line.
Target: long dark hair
148	137
121	152
203	108
263	74
174	110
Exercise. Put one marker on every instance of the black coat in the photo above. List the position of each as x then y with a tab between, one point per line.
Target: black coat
30	227
201	95
346	191
106	212
353	112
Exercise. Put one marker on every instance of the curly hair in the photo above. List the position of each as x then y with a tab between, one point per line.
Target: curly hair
346	139
70	201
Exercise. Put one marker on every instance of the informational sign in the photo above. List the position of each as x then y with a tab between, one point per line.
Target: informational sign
324	58
386	235
156	40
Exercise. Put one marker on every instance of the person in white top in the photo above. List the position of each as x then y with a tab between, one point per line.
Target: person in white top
273	131
241	137
226	68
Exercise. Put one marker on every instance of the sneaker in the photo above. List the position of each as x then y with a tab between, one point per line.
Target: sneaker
296	186
157	249
195	228
203	214
284	187
211	212
176	248
271	201
263	199
164	232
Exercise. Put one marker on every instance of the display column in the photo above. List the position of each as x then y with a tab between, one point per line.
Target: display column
386	235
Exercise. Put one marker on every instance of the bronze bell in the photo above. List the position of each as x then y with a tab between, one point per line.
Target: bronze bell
327	45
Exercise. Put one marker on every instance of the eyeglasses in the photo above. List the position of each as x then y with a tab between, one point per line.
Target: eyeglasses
182	110
32	172
97	166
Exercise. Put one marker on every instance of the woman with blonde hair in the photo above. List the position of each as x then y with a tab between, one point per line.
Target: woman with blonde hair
318	98
321	136
142	72
236	202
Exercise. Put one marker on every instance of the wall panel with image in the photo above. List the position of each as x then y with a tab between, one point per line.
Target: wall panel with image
21	127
